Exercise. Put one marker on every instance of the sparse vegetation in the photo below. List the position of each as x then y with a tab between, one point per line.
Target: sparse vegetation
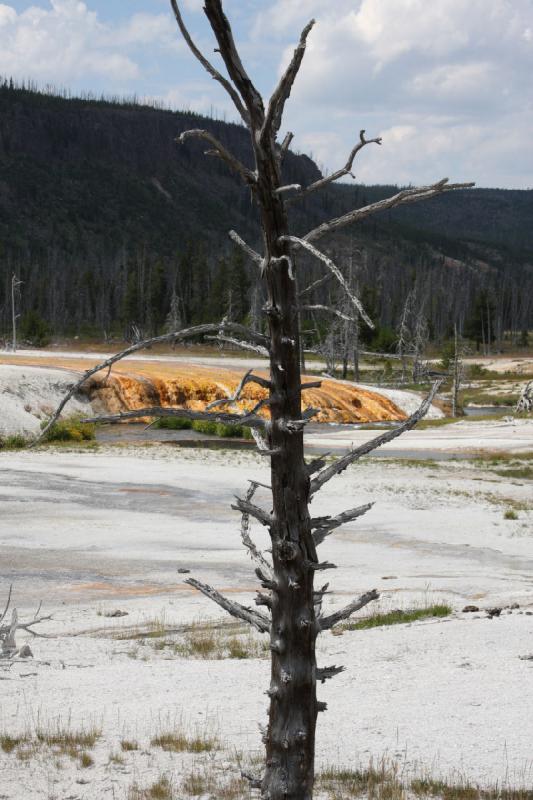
16	441
159	790
510	514
9	743
127	745
116	758
203	426
178	742
70	430
86	760
398	617
383	783
72	743
218	643
62	741
374	783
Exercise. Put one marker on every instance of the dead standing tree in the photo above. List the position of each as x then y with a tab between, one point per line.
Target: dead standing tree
293	616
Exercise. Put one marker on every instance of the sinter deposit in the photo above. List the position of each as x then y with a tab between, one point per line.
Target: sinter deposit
29	391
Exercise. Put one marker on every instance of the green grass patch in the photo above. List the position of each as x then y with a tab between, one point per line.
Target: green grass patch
398	617
70	430
211	428
510	514
494	459
523	473
173	424
16	441
442	421
484	398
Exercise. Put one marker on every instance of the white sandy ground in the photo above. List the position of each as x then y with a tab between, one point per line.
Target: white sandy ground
90	532
523	365
467	435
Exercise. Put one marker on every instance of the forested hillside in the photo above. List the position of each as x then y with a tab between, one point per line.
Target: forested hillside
110	223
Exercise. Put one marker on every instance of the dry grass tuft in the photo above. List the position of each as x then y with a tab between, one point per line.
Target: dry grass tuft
200	784
9	743
375	783
208	642
160	790
127	745
69	741
86	760
179	742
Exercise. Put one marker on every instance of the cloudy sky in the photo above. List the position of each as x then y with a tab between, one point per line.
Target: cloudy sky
447	83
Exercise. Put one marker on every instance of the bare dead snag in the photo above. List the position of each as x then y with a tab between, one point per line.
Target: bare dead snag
525	401
327	310
8	644
295	612
253	348
255	257
235	397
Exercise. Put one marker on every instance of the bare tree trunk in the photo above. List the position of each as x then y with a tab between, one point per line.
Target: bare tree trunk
455	387
290	744
294	621
356	351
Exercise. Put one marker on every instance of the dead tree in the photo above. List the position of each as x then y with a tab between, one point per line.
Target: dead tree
15	289
293	615
457	370
8	630
525	401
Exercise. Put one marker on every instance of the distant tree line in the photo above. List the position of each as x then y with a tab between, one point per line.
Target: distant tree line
111	226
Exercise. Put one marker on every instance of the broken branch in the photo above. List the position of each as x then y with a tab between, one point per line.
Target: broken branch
234	236
247	175
282	91
207	65
336	272
341	463
401	198
326	525
254	618
340	173
185	413
332	619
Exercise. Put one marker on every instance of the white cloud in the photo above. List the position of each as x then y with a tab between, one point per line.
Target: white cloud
440	80
67	41
445	82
